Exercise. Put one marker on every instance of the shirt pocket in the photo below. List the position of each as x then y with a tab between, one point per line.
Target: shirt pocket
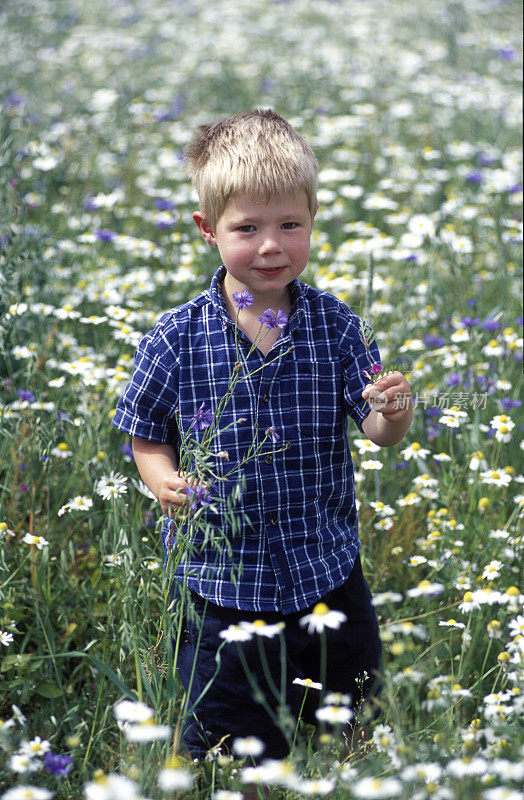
316	398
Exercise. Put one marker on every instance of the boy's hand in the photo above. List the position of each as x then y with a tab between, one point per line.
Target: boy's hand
390	396
170	491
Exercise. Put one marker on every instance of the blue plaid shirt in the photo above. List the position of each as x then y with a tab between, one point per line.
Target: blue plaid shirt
295	531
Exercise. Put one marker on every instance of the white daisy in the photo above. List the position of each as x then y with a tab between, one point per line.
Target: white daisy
322	617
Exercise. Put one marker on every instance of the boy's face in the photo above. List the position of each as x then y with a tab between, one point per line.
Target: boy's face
263	245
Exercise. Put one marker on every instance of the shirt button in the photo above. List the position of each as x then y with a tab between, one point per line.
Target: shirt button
273	521
268	458
265	398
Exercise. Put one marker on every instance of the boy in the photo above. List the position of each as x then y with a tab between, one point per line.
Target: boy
294	546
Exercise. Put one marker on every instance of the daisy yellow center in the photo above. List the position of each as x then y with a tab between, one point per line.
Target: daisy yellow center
259	623
513	591
63	446
495	475
320	609
415	446
504	429
468	597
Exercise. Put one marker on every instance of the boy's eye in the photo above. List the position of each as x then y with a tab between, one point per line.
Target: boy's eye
246	228
289	226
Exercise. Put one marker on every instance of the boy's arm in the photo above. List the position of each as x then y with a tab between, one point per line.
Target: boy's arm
391	409
158	467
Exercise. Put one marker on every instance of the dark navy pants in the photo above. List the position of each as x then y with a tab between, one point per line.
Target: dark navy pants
231	707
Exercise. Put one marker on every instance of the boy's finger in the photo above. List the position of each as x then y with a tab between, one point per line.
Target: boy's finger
377	400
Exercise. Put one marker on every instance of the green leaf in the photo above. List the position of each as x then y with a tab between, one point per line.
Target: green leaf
20	661
46	689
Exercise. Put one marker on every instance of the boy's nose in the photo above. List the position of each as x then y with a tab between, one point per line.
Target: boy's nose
269	245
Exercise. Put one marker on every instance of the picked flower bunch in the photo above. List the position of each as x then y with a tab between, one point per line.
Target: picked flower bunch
196	455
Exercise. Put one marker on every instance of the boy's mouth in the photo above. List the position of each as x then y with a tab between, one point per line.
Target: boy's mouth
271	271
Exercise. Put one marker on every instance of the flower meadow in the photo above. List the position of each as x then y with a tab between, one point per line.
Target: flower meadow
413	110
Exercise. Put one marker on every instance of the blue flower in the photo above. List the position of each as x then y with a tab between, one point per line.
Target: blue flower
273	435
26	395
199	495
202	419
469	322
491	324
453	379
506	54
507	403
104	234
127	450
161	204
433	341
57	764
272	320
243	299
475	176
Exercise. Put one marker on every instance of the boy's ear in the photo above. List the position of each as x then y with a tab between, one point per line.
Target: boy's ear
204	227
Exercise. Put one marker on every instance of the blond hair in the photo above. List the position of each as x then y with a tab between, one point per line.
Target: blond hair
256	152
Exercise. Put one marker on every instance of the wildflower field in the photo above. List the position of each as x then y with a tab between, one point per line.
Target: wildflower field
414	111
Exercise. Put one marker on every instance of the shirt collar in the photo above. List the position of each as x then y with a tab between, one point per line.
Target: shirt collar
296	311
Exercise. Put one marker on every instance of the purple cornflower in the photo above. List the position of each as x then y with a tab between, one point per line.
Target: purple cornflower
469	322
199	494
202	419
273	435
491	324
161	204
127	450
453	379
272	320
26	395
104	234
484	160
475	176
376	368
15	99
433	341
472	302
508	403
433	431
57	764
243	299
506	53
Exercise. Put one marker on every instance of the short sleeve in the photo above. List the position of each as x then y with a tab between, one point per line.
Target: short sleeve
355	363
148	405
